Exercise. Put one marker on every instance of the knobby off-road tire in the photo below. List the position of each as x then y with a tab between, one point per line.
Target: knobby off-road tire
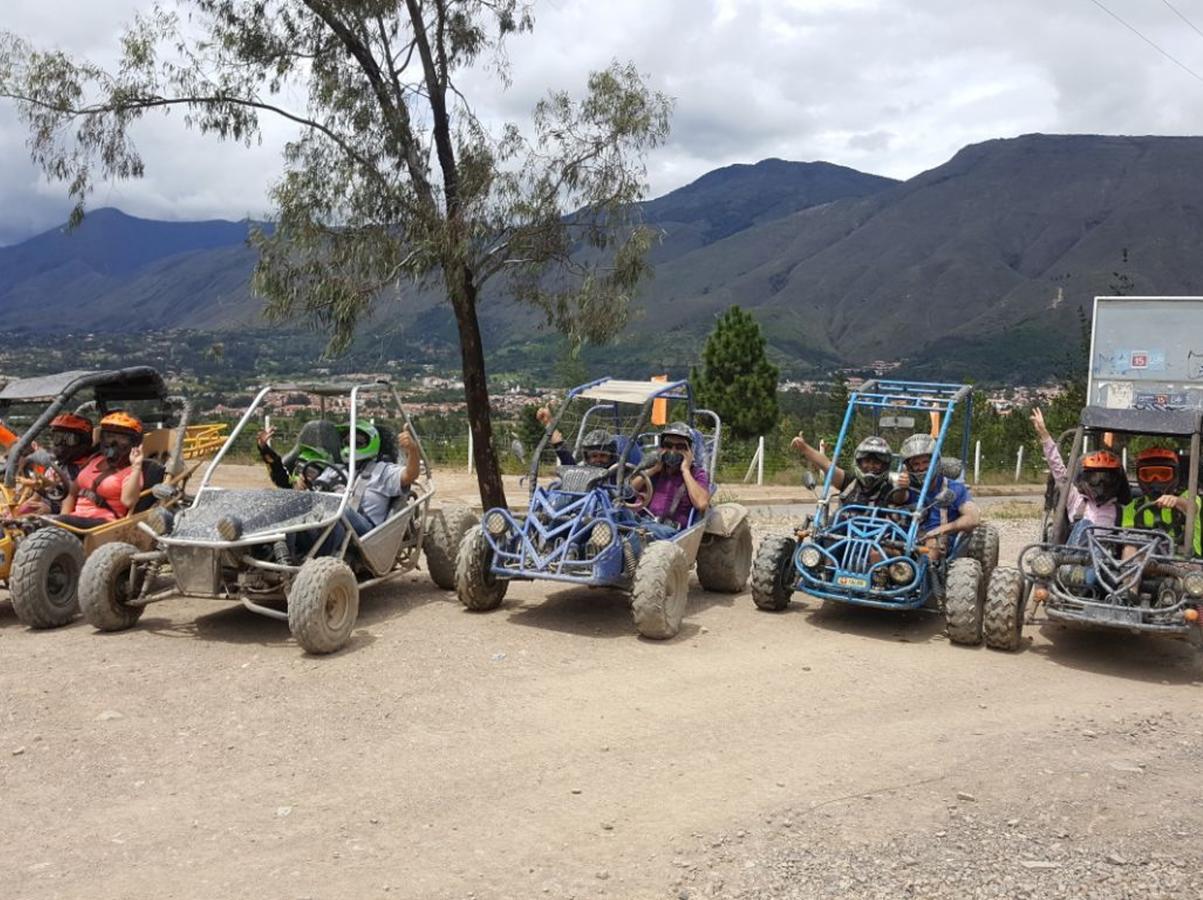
983	546
104	588
1006	597
724	563
963	601
323	605
661	591
475	584
45	578
772	572
442	542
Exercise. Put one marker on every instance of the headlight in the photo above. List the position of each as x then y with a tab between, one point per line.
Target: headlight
902	571
1192	583
1043	564
601	536
811	556
496	523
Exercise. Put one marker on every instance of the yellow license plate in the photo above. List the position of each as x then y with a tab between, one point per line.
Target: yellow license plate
852	581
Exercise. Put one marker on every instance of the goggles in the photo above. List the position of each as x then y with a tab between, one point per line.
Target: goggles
1157	474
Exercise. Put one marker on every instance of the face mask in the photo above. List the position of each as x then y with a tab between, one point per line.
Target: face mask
116	452
672	459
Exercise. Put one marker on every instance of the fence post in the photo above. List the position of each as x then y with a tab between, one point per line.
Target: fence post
1124	455
1018	462
757	457
760	461
977	461
470	450
267	422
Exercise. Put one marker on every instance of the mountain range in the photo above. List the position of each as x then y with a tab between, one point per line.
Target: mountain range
977	267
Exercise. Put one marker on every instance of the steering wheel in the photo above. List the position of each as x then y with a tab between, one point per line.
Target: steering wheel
43	475
638	498
1177	520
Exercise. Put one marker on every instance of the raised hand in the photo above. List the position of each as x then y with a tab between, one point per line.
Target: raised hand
1037	420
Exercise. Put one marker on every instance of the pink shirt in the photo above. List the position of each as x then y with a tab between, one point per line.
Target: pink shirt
1078	505
110	489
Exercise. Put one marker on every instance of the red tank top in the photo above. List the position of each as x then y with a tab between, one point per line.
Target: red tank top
108	486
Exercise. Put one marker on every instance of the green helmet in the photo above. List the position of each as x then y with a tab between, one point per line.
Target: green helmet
310	462
367	443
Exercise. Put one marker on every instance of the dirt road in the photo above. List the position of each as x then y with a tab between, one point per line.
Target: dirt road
544	750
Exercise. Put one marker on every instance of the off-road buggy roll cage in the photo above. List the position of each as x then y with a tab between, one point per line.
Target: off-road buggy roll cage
856	542
1089	582
590	526
234	543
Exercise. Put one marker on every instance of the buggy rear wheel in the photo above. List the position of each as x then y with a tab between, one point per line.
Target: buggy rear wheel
725	562
661	590
45	578
963	601
475	584
1006	597
441	542
105	589
323	604
772	572
983	546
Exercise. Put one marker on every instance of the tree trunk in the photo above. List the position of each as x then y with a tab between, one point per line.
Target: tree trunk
476	394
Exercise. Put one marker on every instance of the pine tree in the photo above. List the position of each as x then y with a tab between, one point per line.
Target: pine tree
736	380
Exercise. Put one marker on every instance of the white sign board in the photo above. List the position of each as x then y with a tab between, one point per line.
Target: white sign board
1146	353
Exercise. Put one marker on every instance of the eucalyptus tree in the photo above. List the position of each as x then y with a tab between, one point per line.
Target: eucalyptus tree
395	183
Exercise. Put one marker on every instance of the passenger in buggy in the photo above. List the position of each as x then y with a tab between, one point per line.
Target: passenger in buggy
869	482
109	482
958	511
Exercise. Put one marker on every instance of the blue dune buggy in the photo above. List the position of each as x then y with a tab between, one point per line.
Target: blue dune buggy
874	555
591	526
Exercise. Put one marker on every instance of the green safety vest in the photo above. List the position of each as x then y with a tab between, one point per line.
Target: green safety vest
1164	522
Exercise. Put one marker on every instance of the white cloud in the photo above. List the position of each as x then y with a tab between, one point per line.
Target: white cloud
888	86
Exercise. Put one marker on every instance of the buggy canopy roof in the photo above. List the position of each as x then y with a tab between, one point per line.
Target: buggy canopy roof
134	383
1179	422
616	390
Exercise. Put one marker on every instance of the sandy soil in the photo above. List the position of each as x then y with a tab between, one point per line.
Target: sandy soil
544	750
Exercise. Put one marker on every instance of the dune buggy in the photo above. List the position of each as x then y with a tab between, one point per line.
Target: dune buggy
267	546
41	557
589	526
1135	579
874	555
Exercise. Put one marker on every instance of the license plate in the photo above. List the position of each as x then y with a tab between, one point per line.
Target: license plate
1119	615
852	581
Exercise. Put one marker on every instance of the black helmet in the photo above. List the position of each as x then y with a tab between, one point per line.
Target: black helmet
600	440
873	448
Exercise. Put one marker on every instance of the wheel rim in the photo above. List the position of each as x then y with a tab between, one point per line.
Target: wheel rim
338	607
61	576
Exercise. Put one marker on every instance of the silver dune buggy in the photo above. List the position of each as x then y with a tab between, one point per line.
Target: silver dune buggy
261	546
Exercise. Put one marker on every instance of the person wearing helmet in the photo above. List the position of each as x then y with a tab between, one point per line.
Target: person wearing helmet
869	482
599	447
1100	489
70	447
109	482
959	513
310	463
1158	474
679	484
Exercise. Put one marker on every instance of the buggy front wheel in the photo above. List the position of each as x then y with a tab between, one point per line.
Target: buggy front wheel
1006	597
661	590
323	605
106	587
475	584
963	601
772	572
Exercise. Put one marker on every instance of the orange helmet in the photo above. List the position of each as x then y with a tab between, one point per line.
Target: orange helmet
1157	466
72	422
1101	459
120	421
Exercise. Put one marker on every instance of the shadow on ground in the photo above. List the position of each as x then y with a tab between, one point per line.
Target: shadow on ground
1120	654
915	626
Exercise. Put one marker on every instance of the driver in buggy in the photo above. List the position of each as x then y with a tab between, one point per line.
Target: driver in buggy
71	447
378	482
1160	506
678	484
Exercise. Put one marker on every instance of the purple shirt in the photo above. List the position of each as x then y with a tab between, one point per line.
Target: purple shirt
664	491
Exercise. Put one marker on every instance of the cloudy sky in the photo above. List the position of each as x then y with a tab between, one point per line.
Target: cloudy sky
892	87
